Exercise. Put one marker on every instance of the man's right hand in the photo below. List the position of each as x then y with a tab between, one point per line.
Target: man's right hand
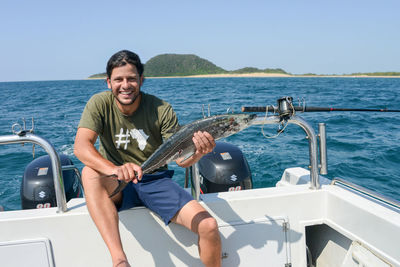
129	172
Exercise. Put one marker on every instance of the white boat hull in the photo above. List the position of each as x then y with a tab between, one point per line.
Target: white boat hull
259	227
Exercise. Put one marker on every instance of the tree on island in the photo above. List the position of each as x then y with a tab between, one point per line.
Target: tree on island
169	65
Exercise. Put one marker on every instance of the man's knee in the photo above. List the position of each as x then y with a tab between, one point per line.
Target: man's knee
93	179
89	178
95	185
89	172
208	227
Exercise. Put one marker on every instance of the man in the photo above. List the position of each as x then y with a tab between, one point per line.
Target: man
131	125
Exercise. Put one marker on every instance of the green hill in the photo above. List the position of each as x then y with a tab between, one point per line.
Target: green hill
256	70
388	73
98	76
179	65
167	65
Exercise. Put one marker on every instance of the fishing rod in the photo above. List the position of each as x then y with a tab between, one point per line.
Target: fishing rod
285	105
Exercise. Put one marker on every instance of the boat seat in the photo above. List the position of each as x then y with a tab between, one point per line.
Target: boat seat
360	255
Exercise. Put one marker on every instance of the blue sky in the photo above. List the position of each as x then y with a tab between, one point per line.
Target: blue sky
55	40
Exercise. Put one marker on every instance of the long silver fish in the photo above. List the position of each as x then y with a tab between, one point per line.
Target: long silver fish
180	144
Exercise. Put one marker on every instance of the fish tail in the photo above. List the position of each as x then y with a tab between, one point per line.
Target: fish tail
120	187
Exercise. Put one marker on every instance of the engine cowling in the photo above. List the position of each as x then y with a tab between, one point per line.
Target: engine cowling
224	169
37	187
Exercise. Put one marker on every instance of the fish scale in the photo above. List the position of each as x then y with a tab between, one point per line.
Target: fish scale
180	144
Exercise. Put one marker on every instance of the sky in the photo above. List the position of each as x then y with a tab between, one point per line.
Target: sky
63	40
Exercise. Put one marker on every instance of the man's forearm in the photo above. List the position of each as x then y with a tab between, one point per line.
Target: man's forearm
190	161
90	157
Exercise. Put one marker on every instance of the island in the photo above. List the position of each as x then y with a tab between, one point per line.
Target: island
189	65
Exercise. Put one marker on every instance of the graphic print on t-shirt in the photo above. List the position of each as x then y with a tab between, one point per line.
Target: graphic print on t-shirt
138	135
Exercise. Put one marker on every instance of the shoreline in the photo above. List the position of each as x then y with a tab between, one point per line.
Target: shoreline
261	75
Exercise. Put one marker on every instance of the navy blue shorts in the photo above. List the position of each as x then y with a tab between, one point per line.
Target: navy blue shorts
158	192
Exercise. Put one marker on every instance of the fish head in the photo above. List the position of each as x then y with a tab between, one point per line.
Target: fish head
232	123
246	119
240	121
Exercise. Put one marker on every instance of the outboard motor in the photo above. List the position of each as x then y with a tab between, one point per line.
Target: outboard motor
224	169
37	187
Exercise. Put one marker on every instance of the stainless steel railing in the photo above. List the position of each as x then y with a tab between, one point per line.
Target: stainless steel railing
75	169
366	192
55	162
313	149
312	141
322	149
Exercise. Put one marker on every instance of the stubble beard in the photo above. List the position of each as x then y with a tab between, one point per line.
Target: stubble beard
132	100
124	103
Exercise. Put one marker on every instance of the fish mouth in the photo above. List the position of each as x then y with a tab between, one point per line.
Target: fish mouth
250	117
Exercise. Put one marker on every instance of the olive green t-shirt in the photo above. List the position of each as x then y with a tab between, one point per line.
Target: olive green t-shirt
128	138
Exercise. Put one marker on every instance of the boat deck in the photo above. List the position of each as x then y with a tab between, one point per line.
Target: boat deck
279	226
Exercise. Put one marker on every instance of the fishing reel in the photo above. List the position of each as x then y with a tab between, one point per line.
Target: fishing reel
285	107
285	110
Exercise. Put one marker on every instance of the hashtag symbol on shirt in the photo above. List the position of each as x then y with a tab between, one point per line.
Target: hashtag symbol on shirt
123	138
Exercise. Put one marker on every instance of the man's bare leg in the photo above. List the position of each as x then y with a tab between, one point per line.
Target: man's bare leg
104	213
194	217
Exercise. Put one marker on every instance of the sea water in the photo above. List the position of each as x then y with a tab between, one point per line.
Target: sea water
363	147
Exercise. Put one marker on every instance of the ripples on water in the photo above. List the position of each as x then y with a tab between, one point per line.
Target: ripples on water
362	147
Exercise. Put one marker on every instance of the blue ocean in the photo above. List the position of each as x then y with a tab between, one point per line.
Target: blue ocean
363	147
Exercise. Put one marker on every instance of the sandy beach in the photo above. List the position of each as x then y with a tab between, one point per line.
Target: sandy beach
255	74
260	75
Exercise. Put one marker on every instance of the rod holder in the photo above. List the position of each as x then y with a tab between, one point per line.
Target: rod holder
312	142
196	180
55	162
322	149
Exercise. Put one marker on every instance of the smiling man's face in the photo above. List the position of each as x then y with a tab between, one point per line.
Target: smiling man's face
125	85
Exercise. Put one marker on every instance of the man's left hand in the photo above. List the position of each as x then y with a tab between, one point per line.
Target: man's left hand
204	142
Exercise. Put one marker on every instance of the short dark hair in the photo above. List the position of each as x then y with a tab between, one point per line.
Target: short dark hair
122	58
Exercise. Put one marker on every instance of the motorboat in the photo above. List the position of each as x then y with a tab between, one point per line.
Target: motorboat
305	220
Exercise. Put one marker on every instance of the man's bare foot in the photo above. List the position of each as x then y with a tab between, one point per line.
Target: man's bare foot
122	263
